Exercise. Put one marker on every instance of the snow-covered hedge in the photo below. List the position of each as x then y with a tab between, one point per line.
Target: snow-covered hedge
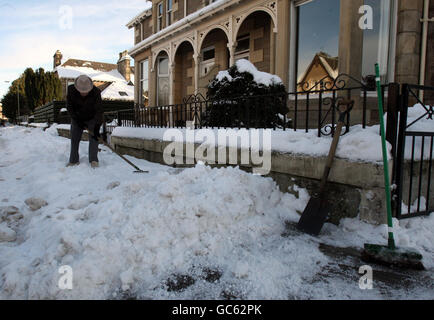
243	96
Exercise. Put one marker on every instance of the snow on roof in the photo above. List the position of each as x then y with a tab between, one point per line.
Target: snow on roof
119	90
332	72
96	75
176	26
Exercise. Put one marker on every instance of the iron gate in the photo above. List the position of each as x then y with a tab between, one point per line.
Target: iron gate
412	194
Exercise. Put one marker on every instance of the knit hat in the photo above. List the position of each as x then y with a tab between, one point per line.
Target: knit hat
83	84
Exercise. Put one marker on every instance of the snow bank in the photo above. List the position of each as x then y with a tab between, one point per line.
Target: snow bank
125	234
135	236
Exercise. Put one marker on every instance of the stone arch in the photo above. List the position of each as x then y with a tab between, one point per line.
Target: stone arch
256	30
180	43
204	34
162	81
183	80
157	53
239	20
215	58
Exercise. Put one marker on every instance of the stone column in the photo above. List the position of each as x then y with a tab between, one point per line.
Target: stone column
231	47
172	90
282	43
172	82
273	49
196	58
350	39
408	41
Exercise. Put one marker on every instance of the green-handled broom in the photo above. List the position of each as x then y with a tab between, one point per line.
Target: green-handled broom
389	255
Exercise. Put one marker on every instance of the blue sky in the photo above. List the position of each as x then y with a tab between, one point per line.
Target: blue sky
31	32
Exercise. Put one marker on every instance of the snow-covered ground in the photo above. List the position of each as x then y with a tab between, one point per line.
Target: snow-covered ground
197	233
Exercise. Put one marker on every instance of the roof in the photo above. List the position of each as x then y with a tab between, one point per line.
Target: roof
114	86
96	75
183	23
330	65
120	90
147	12
90	64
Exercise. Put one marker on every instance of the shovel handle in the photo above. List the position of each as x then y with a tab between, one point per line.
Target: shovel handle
334	145
101	141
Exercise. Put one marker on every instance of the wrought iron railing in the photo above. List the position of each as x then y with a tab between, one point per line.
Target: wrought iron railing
310	108
413	169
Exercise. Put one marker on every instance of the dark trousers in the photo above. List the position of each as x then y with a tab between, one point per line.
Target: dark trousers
76	133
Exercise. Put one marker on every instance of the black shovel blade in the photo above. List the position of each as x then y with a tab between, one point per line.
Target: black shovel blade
314	216
141	171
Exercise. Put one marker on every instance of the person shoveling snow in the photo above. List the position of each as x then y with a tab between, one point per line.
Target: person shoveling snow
84	105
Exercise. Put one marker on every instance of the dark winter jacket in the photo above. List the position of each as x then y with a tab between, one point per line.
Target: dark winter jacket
83	109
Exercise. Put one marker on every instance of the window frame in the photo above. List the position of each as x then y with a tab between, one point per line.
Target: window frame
293	42
160	14
159	74
169	12
206	64
242	54
144	76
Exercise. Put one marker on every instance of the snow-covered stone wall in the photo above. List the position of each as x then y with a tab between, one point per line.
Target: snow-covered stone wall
355	188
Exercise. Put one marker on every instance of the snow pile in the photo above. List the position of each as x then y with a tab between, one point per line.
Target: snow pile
259	77
124	235
420	114
134	236
423	123
412	233
224	75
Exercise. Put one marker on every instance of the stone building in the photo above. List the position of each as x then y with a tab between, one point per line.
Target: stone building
180	45
116	81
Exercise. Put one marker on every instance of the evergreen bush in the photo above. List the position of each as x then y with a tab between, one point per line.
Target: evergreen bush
245	97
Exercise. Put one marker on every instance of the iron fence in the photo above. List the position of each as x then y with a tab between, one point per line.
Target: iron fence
56	112
412	176
309	108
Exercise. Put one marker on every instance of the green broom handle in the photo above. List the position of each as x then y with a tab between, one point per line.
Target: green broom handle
391	240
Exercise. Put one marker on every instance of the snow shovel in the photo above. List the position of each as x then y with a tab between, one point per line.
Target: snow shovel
389	255
317	210
101	141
